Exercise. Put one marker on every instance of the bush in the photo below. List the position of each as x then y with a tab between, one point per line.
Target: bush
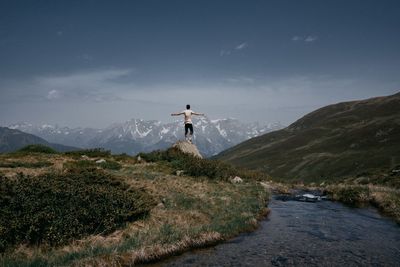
352	195
111	165
17	164
92	152
123	157
55	209
83	164
194	166
37	148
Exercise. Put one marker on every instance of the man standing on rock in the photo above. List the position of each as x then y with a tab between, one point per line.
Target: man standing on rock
188	121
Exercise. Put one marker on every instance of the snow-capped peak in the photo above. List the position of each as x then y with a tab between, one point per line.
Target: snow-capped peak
136	135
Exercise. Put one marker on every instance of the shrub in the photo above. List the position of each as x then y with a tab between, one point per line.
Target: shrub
37	148
17	164
92	152
123	157
352	195
83	164
111	165
55	209
194	166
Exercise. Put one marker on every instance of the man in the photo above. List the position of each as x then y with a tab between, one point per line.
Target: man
188	121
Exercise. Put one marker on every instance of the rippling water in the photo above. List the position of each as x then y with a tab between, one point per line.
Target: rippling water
307	234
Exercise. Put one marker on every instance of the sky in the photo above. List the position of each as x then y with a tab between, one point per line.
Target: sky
92	63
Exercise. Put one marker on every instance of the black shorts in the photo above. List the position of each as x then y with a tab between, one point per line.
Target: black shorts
188	126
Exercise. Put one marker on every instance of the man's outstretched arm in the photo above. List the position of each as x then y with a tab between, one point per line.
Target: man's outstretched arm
199	114
177	114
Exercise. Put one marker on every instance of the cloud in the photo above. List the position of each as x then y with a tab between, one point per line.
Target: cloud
100	97
237	48
53	94
305	39
84	79
310	39
297	38
240	80
95	86
224	52
241	46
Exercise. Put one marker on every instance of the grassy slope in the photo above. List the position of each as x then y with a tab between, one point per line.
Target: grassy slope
333	142
191	212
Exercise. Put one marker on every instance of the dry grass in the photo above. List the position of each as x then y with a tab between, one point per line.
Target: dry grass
386	199
191	212
155	252
55	159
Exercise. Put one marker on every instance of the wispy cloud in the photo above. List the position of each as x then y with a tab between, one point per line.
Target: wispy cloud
310	39
232	50
241	46
224	52
305	39
53	94
96	86
240	80
297	38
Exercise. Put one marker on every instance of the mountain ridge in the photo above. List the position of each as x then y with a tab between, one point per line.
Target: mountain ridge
137	135
339	140
12	140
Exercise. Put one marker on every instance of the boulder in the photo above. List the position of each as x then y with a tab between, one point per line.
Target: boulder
266	185
237	180
188	148
100	161
179	172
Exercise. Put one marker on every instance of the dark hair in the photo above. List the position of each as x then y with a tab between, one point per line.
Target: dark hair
187	106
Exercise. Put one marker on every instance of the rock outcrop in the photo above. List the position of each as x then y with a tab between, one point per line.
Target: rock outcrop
188	148
237	180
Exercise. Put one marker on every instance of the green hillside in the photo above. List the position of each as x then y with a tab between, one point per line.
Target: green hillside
333	142
12	140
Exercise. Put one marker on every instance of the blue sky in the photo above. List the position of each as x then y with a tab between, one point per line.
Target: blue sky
91	63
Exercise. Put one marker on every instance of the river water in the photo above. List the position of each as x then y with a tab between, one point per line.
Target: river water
307	234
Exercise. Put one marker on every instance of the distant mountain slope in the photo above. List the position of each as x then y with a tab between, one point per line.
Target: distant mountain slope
11	140
335	141
134	136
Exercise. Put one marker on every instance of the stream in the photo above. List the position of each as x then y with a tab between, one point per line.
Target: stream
298	233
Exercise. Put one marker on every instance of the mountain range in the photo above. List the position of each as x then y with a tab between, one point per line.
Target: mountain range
12	140
136	135
345	139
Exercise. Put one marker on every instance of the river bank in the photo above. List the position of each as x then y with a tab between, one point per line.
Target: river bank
386	199
295	233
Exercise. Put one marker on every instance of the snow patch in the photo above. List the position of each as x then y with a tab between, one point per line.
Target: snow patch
47	126
164	130
222	132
